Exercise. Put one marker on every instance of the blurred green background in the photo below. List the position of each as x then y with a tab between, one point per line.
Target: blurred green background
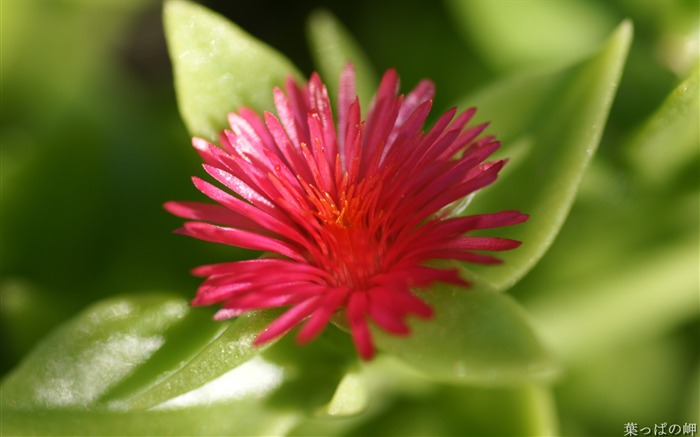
92	146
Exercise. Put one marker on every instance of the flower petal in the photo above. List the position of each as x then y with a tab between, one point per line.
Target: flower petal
239	238
356	310
288	320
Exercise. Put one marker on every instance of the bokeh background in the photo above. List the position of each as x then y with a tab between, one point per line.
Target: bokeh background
92	146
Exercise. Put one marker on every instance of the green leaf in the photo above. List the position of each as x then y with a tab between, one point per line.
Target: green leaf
313	372
81	361
218	67
670	139
231	346
350	398
476	337
556	120
332	47
150	365
532	32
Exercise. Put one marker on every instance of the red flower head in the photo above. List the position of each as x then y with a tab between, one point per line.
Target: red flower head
351	212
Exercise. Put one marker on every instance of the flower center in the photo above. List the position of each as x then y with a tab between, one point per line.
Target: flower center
349	233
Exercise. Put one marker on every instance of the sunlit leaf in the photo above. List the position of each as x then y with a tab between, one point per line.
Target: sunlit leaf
100	372
332	47
475	337
557	119
670	139
151	365
218	67
80	362
231	346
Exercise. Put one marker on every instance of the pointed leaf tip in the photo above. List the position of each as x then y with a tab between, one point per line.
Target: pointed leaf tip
218	67
563	115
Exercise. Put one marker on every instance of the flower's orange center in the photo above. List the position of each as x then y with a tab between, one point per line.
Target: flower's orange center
349	233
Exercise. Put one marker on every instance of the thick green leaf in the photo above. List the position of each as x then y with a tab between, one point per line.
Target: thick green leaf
476	337
556	120
332	47
150	365
231	346
132	353
218	67
80	362
351	397
670	139
533	32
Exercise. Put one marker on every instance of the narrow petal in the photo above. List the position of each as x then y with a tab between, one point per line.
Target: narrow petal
264	298
439	199
354	133
422	93
290	153
209	153
260	266
414	305
286	114
239	238
321	170
407	130
483	243
244	139
239	187
255	214
258	126
480	221
356	310
287	320
333	299
346	97
211	213
321	105
208	295
385	313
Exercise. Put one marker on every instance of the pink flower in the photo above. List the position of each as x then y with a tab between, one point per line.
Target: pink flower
349	213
